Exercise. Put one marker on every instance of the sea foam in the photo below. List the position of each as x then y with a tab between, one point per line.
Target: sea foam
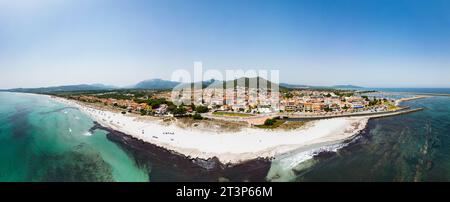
283	166
87	133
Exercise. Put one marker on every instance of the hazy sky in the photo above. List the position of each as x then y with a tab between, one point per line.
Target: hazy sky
379	43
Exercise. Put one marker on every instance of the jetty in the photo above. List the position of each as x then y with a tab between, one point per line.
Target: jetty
397	113
404	110
397	102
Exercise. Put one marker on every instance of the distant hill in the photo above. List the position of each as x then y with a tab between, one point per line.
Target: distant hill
160	84
295	86
223	84
156	84
244	80
346	86
103	86
68	88
203	83
286	85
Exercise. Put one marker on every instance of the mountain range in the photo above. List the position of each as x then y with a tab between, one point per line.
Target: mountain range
160	84
67	88
155	84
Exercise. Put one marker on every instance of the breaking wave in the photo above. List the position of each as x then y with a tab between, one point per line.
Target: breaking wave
283	166
87	133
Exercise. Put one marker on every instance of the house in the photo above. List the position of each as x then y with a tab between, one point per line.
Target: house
264	109
308	107
318	107
291	106
357	105
162	109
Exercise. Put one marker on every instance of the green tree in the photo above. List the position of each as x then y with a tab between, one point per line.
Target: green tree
179	111
197	116
269	122
155	103
201	109
171	107
288	95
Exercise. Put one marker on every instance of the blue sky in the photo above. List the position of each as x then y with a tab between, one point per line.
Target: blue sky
379	43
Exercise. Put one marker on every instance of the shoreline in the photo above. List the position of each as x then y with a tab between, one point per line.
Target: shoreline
230	148
185	168
399	101
403	110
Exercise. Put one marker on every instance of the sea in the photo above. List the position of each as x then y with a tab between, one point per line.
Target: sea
44	140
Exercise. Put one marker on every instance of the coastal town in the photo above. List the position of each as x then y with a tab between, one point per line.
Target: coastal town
237	123
237	131
239	104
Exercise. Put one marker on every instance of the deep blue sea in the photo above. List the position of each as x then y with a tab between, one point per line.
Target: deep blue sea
410	147
413	90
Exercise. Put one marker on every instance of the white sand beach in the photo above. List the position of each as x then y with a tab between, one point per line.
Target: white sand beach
228	147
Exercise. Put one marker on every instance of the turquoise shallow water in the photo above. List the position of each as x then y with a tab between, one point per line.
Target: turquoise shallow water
42	140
